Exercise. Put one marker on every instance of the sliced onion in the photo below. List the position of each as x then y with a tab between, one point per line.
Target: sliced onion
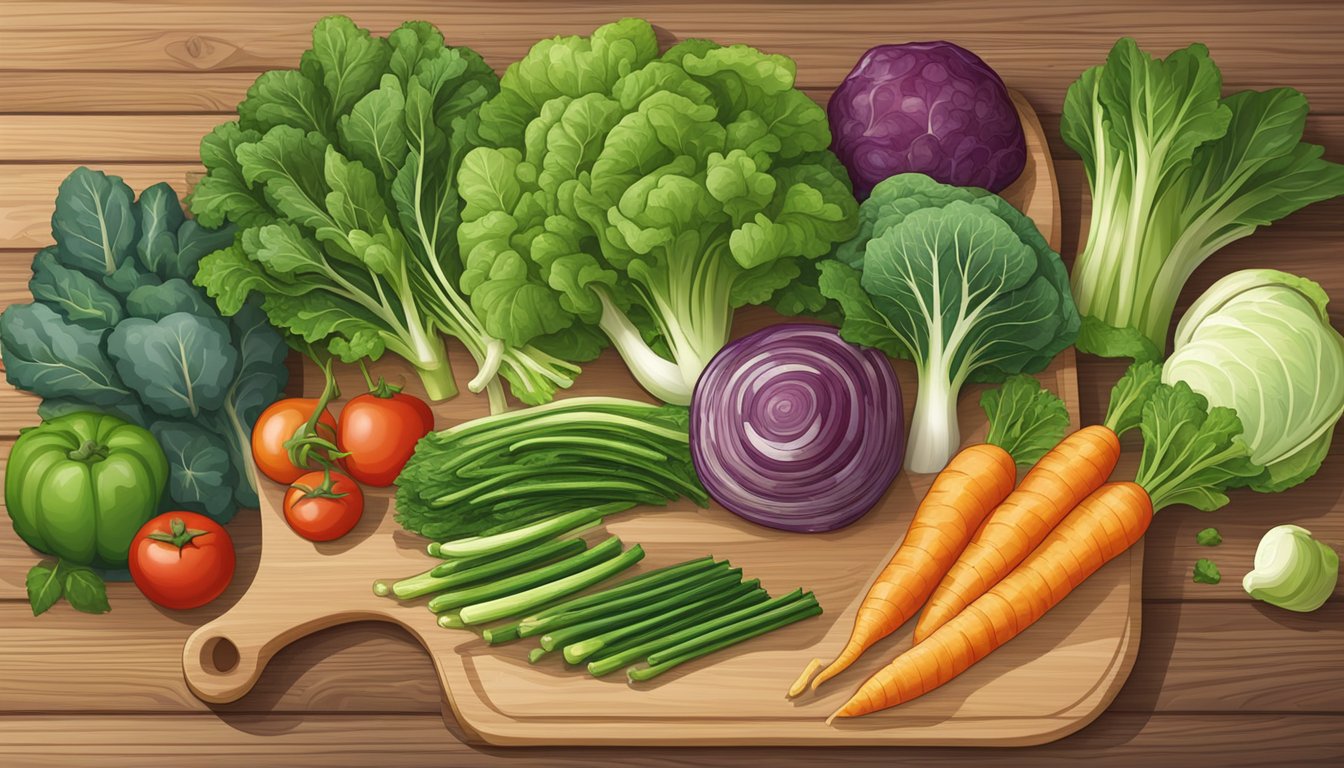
794	428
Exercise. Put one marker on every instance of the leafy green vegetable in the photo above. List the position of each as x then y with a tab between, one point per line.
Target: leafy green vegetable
1129	396
646	194
1292	570
1192	454
505	471
118	328
1177	172
1209	537
957	281
1206	572
343	178
1025	418
1259	341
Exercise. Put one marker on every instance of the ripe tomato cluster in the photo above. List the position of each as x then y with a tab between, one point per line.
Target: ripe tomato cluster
324	460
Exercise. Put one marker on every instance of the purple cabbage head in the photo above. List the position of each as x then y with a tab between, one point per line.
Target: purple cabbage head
931	108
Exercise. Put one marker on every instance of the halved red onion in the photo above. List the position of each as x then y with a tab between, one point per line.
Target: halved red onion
795	428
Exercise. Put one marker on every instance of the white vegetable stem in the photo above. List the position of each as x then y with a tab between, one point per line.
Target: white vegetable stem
934	431
663	378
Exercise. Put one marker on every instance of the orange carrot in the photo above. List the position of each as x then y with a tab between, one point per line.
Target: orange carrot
971	485
1103	525
1059	481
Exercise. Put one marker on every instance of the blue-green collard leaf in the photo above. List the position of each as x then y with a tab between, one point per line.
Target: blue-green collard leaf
195	242
181	364
127	277
52	358
77	297
155	302
94	222
200	474
260	380
160	217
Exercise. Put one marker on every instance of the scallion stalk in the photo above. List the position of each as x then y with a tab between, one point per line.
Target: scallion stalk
537	625
430	582
447	601
515	604
475	546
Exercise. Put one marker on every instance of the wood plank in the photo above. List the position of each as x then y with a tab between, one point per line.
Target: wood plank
95	91
73	139
1044	47
1118	740
1196	658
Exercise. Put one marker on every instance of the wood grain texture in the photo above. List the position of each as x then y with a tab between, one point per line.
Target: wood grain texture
1116	740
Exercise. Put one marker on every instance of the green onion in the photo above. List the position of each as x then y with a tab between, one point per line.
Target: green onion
732	634
580	651
632	586
424	584
447	601
617	655
555	526
729	585
541	595
536	655
451	620
536	625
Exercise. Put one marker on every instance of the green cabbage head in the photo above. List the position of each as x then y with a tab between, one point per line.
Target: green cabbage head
647	194
1260	341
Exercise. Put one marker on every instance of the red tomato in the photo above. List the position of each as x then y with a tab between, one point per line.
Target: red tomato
319	517
276	425
380	434
182	560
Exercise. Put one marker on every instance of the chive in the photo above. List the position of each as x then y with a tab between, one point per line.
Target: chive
580	651
727	635
504	633
421	585
728	585
618	655
536	625
446	601
500	542
631	586
546	593
432	548
451	620
730	635
456	564
536	655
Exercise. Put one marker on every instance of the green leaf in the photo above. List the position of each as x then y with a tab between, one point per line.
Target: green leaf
1206	572
374	131
155	302
85	591
285	97
200	470
1130	394
44	586
128	409
160	218
50	358
1191	454
260	381
94	223
288	163
180	365
194	242
1025	418
351	61
77	297
224	194
1209	537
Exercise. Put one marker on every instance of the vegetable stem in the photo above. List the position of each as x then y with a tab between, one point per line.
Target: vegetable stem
436	579
446	601
545	593
476	546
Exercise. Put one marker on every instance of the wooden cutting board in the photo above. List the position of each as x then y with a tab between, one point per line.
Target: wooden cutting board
1050	681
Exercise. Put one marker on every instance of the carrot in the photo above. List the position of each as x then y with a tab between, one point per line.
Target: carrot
1103	525
1059	481
1062	478
971	485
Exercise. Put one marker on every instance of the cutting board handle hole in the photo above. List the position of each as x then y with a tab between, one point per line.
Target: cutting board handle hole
219	655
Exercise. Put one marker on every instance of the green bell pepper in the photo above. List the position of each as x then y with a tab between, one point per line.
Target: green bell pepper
80	486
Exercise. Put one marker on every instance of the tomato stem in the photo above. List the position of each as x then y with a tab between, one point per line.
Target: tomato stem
382	388
325	490
307	445
179	536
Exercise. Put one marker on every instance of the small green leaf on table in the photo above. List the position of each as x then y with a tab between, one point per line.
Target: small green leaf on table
1206	572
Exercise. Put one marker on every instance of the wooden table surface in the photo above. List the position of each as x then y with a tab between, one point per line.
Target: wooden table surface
130	88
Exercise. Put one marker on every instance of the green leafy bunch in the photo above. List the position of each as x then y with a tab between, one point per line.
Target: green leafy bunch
117	327
957	281
647	194
342	178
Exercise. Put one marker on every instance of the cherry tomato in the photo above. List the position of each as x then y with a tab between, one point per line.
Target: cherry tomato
379	431
320	514
182	560
276	425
